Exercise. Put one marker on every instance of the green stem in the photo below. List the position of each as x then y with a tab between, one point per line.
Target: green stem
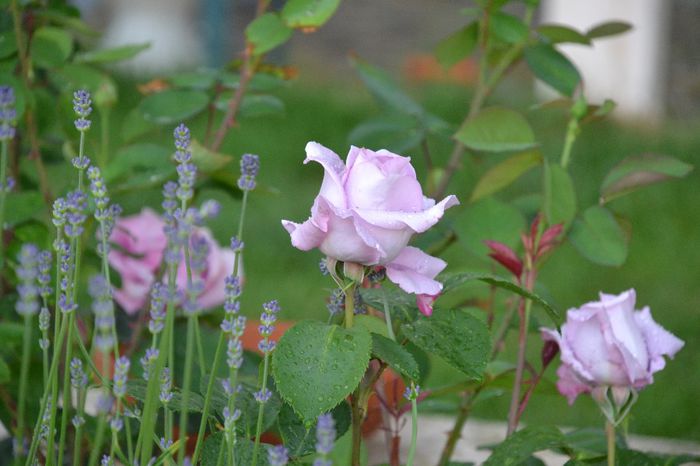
129	440
261	410
349	306
414	430
200	347
387	315
456	432
66	390
189	350
78	444
571	133
520	368
24	375
610	434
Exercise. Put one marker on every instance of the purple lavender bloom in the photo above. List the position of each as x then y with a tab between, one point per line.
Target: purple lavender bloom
263	395
44	324
209	209
60	208
166	385
169	195
147	361
182	137
8	185
103	308
44	275
78	377
82	106
159	295
75	215
411	393
27	271
277	455
81	162
8	114
234	353
230	418
325	434
250	165
336	302
121	370
236	244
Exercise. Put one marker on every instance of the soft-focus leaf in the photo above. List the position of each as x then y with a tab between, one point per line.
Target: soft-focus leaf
22	95
267	32
308	13
137	157
497	129
522	444
395	133
453	281
135	125
608	29
553	68
456	336
110	55
317	365
507	28
243	452
457	45
559	201
50	47
385	90
254	105
599	238
207	160
8	44
558	34
201	79
22	206
73	76
488	219
11	333
638	171
371	323
395	355
173	105
504	173
301	441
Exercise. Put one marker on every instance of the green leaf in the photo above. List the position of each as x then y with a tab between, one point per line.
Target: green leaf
72	76
638	171
123	52
558	34
504	173
201	79
317	365
260	105
522	444
395	355
497	129
397	133
453	281
5	373
267	32
508	28
488	219
457	45
457	337
173	105
136	157
50	47
243	452
599	238
8	44
135	125
308	13
22	206
559	201
371	323
385	90
11	333
553	68
207	160
611	28
300	439
137	389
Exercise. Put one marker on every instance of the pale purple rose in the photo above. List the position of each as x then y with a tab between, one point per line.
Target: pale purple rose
139	244
608	343
367	211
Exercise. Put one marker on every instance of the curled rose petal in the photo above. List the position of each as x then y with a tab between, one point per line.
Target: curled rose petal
415	271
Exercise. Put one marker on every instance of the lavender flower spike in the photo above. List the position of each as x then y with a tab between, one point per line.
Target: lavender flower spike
8	114
250	165
278	455
27	272
82	106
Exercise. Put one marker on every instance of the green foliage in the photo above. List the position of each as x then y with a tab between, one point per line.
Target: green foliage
458	45
300	437
599	238
558	34
559	201
317	365
172	106
611	28
488	219
497	129
50	47
508	28
243	452
506	172
308	13
455	336
267	32
123	52
395	355
522	444
552	68
25	205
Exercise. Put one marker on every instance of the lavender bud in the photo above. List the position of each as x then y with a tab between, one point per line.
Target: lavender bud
262	395
8	114
325	434
277	455
411	393
78	378
250	165
147	361
121	369
27	271
236	244
78	421
81	162
166	384
82	106
234	354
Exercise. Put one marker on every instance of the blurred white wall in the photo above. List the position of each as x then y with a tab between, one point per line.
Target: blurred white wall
630	68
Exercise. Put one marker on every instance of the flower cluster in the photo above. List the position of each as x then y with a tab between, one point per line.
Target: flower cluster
105	213
166	386
325	438
121	370
8	114
267	326
103	308
82	106
78	377
186	170
27	272
250	165
277	455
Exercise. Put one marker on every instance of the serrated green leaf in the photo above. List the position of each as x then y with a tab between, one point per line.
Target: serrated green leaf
385	90
50	47
243	453
638	171
497	129
111	55
508	28
599	238
395	355
457	45
453	281
559	201
308	13
173	105
552	68
522	444
558	34
460	339
267	32
300	439
607	29
317	365
504	173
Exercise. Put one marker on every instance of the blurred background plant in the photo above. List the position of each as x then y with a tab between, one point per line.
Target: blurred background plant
509	163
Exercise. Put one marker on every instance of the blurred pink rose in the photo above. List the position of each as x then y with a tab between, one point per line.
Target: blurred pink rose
609	344
137	254
367	211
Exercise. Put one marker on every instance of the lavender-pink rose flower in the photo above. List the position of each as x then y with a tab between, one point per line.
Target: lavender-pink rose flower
140	243
609	344
367	211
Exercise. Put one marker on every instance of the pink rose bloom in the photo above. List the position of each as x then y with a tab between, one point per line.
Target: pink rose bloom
366	213
138	254
610	344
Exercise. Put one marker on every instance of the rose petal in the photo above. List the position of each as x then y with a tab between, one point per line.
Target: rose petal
425	303
414	271
569	384
334	169
416	221
659	341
